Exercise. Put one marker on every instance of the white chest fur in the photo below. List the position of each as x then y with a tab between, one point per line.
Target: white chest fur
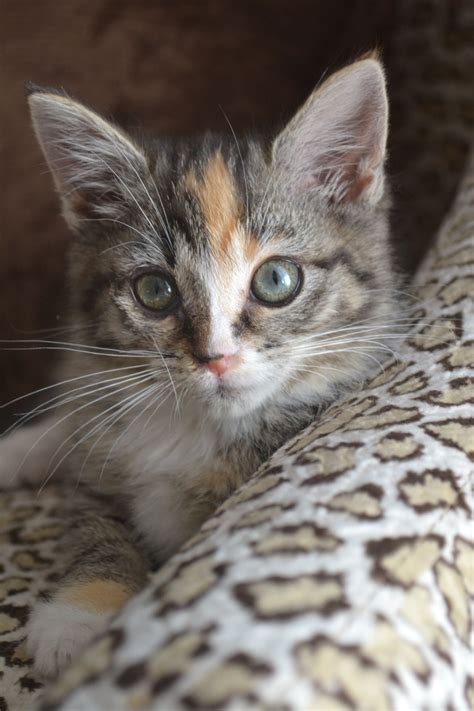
159	462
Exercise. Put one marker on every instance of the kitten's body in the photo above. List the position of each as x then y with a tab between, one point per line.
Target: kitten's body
230	377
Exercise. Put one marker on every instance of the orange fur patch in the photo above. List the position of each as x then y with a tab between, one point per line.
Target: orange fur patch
219	205
251	247
215	484
96	595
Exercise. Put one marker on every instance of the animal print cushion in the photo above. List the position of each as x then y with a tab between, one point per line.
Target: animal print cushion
340	576
30	527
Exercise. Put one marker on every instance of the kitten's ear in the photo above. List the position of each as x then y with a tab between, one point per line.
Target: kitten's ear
337	140
92	162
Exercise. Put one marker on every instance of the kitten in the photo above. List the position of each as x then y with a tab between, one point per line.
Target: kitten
228	290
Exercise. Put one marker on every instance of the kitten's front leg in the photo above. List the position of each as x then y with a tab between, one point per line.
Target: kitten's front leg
104	569
26	453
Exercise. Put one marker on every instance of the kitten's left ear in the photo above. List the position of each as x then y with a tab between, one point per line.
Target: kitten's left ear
93	162
337	140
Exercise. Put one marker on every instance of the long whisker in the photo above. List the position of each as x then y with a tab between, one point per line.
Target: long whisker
360	338
126	406
123	245
85	390
39	344
166	228
244	174
314	348
82	439
63	398
68	415
130	424
314	372
357	327
323	366
65	382
359	350
263	212
53	329
116	222
167	369
124	184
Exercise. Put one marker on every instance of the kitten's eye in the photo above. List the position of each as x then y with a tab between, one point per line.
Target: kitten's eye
276	282
155	291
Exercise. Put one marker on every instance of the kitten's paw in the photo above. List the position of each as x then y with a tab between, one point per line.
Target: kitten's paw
58	631
25	454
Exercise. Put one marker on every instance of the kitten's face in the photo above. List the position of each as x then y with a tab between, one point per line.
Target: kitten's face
225	260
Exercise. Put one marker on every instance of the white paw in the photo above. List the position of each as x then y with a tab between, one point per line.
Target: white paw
57	632
25	454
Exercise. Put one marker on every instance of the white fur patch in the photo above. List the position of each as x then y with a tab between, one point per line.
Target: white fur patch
56	633
25	455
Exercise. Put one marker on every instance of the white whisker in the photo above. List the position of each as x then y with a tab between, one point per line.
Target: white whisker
167	369
63	398
126	406
166	228
130	424
65	417
40	344
247	204
84	437
65	382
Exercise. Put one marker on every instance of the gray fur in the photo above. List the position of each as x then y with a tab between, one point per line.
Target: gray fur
316	195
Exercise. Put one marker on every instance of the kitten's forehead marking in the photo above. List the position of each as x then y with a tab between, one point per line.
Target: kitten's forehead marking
217	196
230	244
233	250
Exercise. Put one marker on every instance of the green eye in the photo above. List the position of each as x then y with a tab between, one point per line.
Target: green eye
155	291
276	282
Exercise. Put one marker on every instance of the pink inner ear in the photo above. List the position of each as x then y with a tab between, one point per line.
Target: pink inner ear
344	173
354	169
337	140
358	185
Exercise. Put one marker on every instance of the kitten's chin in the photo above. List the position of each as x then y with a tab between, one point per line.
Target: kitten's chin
224	399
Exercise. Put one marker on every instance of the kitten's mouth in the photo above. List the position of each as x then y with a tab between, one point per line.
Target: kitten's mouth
225	389
222	387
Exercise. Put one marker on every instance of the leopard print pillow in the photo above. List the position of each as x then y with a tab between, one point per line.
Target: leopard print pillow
340	576
30	527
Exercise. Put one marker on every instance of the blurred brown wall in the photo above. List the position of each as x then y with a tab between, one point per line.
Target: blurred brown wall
163	65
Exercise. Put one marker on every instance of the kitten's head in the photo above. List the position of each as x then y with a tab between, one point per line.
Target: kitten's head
232	262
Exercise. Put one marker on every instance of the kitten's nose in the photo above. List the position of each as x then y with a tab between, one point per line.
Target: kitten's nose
220	364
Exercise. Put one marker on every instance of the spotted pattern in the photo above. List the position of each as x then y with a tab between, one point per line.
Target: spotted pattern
29	529
340	577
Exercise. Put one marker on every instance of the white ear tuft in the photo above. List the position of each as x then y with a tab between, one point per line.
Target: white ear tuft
90	159
337	140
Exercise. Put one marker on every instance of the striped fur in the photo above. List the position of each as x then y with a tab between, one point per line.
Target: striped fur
209	212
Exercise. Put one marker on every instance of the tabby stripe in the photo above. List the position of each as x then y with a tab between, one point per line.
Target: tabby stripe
344	258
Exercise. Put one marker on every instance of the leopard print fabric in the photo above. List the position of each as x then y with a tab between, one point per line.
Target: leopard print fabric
30	527
339	577
342	575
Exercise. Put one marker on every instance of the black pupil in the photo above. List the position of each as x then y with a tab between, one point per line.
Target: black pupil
160	286
155	291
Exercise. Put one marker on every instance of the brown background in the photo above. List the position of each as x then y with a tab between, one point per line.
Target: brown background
163	65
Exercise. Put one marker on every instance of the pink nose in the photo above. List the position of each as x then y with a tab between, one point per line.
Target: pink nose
221	365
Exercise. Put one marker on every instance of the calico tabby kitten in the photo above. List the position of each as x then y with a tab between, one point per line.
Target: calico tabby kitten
226	290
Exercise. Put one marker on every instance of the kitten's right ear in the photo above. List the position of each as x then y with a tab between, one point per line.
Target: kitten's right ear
92	161
336	143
